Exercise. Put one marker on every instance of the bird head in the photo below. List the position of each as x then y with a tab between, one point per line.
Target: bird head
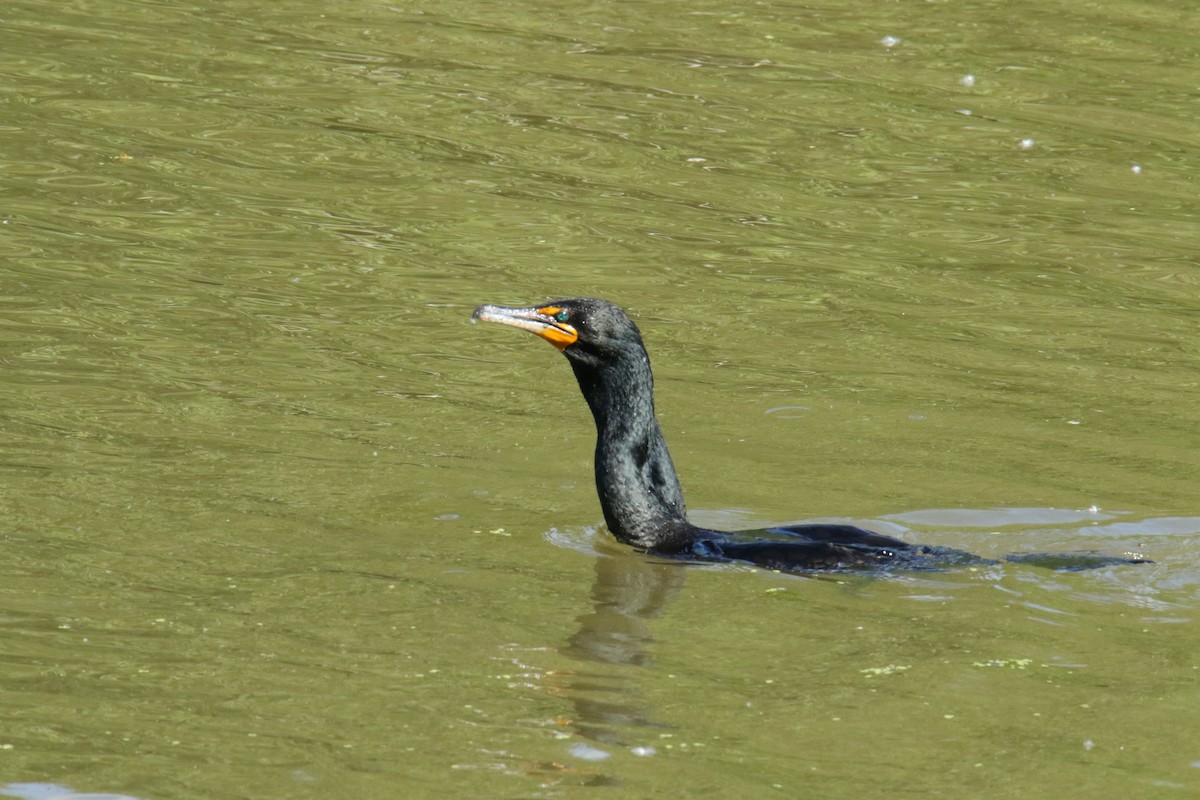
584	329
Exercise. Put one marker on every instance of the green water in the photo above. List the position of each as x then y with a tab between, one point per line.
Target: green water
278	522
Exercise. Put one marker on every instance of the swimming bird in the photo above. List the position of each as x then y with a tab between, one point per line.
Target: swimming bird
636	481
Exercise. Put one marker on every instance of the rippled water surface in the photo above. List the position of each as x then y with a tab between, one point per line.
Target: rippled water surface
277	522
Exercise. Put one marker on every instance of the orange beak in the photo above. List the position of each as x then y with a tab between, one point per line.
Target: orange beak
539	320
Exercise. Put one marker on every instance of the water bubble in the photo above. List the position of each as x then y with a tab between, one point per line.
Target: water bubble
589	753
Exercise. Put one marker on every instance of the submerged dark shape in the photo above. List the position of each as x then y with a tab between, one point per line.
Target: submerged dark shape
636	481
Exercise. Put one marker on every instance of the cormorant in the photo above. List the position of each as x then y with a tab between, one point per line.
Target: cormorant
636	481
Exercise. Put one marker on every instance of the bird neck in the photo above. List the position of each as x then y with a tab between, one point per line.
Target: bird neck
635	478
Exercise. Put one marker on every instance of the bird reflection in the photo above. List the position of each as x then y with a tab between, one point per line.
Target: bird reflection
614	637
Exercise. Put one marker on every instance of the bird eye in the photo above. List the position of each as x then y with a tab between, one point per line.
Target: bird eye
562	316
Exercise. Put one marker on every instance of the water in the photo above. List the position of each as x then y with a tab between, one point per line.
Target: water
279	522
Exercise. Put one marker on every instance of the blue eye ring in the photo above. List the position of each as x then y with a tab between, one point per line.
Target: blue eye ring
562	316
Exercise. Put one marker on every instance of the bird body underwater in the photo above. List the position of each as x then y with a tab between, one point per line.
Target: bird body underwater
636	482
